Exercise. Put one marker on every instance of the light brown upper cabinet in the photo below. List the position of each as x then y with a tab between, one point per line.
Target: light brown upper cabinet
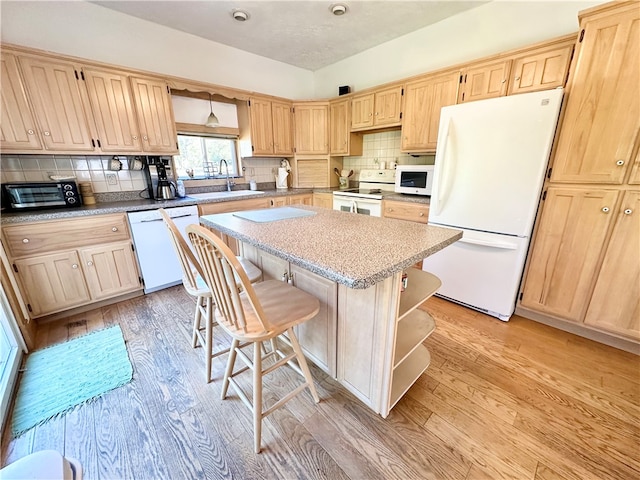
19	130
266	128
341	141
113	110
155	115
311	128
382	108
602	114
422	103
540	69
55	94
484	80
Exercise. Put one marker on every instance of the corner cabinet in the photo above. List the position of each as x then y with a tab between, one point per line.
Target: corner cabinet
584	265
71	264
423	101
311	128
342	142
541	68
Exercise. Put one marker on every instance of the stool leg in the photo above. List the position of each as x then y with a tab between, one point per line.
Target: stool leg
208	338
303	364
230	362
197	316
257	395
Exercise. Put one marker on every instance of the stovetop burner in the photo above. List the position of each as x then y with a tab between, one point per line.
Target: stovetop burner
374	184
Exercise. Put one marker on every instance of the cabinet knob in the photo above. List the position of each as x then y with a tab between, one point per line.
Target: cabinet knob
25	240
90	263
47	134
503	80
605	209
145	138
620	163
517	78
422	214
74	266
135	137
628	211
31	132
114	229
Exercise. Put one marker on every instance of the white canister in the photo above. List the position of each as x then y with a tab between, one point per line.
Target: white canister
382	165
392	165
253	185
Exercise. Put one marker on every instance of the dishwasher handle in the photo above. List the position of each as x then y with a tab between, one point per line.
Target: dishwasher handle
172	218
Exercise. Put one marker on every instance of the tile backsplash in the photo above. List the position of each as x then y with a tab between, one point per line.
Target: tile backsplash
383	147
94	169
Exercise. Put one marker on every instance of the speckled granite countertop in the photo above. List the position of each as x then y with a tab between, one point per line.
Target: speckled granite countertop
355	250
104	208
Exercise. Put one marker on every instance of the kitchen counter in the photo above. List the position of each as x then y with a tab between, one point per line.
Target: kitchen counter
104	208
369	334
351	249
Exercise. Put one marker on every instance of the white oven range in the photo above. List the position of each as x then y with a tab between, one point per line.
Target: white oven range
367	198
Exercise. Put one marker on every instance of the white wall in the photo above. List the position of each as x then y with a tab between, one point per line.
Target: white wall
89	31
485	30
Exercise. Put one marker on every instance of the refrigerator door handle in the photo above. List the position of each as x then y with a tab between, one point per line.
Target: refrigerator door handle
447	174
484	243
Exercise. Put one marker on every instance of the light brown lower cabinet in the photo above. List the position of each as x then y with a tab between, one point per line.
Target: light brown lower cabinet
324	200
414	212
69	263
585	262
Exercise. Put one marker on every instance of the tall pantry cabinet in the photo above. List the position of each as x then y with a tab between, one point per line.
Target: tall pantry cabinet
584	266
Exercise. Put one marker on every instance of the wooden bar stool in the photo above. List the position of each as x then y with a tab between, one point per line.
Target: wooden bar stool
254	314
194	284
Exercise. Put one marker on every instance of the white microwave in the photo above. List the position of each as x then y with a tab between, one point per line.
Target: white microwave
414	179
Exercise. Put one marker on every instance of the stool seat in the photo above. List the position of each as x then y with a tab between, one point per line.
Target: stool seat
47	464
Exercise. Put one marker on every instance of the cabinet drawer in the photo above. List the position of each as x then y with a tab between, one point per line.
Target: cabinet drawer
233	206
35	238
414	212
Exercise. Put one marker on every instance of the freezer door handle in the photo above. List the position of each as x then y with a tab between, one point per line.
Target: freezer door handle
447	174
484	243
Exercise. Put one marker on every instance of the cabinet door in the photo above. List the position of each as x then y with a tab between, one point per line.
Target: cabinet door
282	128
414	212
487	80
339	127
54	90
615	304
388	106
278	201
318	335
155	115
312	128
301	199
422	104
324	200
261	127
602	114
540	70
53	282
273	268
17	125
566	252
113	110
362	111
110	269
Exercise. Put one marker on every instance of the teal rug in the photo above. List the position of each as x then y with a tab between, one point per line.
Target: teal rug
60	377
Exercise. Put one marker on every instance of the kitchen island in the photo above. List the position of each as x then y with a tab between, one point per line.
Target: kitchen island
369	333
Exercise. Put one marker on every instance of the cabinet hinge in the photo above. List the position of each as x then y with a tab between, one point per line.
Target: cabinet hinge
15	268
460	79
400	115
249	102
402	92
93	143
168	90
133	249
141	280
463	96
581	36
544	195
99	144
29	307
76	72
549	173
82	75
521	294
293	109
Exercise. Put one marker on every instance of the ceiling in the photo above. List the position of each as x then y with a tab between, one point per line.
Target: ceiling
303	33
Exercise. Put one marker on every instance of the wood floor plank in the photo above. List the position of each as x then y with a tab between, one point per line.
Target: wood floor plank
80	423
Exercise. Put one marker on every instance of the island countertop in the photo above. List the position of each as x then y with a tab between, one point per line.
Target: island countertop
351	249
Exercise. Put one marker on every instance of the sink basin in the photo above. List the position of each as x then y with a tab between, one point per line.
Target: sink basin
224	194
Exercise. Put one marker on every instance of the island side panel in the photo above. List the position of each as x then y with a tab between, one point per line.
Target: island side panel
364	318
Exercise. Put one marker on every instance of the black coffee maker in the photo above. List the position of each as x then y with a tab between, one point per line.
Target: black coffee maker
158	174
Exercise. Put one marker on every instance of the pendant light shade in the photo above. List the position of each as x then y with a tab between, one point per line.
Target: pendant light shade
212	121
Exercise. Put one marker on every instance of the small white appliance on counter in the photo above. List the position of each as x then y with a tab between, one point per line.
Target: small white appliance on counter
490	166
157	258
414	179
367	198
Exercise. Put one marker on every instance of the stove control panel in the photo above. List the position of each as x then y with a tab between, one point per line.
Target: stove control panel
381	176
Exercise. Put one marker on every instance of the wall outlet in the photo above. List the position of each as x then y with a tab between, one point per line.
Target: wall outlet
112	179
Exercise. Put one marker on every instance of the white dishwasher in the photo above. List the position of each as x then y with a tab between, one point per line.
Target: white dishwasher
157	259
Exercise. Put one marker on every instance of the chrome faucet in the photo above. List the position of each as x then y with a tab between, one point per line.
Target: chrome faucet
230	182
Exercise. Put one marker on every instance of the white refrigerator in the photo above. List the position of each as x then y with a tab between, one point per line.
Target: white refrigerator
490	165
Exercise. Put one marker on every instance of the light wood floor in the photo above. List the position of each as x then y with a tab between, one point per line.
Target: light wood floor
518	400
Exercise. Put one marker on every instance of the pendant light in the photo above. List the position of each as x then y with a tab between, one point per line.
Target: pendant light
212	121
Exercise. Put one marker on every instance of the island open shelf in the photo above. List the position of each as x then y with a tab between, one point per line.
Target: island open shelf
420	286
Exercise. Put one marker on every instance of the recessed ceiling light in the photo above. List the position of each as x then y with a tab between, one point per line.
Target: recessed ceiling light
338	9
240	15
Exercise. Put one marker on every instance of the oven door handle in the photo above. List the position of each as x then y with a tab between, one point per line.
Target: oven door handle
354	207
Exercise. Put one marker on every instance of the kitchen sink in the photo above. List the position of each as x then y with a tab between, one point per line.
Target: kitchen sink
224	194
